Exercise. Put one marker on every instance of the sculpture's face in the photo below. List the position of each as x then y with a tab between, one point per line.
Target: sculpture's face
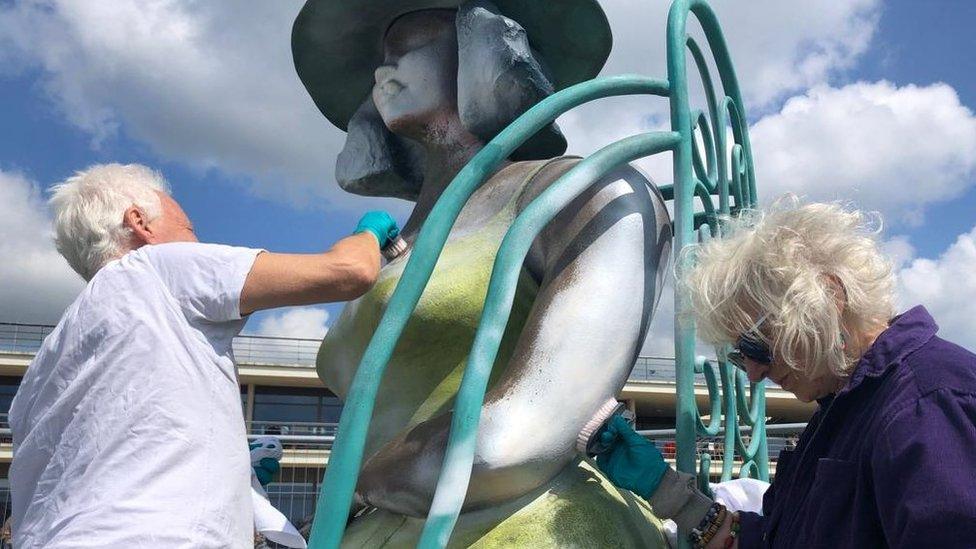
416	86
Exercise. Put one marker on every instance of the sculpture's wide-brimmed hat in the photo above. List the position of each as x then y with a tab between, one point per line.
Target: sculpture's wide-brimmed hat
337	44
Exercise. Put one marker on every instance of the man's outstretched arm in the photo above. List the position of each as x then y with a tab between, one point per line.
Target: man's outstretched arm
346	271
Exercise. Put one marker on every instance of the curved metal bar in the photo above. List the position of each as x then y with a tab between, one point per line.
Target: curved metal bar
748	469
747	187
704	172
718	119
740	190
667	192
747	452
686	189
701	191
754	414
714	397
731	423
704	471
455	474
749	410
343	472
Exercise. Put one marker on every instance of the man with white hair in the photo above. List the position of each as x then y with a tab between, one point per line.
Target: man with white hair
127	427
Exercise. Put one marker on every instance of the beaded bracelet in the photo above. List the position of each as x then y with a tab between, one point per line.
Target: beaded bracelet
709	525
713	528
696	532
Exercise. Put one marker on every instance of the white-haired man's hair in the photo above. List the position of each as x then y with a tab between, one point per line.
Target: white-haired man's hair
89	207
779	263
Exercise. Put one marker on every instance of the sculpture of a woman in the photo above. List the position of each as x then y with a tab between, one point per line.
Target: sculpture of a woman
421	86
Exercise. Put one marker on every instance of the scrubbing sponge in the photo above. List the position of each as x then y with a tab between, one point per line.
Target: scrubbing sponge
588	441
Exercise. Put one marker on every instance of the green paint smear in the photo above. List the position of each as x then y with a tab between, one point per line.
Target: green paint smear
579	508
425	371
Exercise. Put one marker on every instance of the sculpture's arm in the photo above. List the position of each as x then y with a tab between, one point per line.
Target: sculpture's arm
601	264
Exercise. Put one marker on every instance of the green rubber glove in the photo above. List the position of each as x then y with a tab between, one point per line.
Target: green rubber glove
380	224
266	469
631	462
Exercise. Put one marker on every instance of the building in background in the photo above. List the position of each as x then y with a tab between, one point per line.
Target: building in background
281	395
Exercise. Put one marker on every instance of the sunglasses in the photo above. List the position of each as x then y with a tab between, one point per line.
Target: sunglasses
750	346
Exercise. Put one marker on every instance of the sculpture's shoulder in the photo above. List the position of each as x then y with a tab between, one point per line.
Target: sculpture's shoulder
542	174
625	178
613	198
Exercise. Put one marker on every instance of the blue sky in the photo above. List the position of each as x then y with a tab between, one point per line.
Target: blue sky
923	43
207	94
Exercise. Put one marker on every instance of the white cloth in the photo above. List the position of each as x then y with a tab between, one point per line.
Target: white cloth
269	521
272	524
127	427
741	494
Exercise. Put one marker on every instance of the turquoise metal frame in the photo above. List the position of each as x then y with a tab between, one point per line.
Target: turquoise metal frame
727	175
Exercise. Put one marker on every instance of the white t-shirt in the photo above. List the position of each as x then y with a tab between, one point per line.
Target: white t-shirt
127	427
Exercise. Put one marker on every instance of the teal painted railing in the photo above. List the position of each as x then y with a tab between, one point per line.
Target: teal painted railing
727	175
732	179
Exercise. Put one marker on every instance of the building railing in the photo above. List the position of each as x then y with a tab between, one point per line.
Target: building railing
321	435
291	428
18	338
251	350
26	339
295	489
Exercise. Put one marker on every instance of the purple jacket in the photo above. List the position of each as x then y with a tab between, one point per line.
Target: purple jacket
890	461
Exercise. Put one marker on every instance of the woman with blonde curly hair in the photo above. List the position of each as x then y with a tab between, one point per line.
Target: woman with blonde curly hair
803	296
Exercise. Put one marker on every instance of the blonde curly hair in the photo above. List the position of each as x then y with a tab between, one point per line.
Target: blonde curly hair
779	263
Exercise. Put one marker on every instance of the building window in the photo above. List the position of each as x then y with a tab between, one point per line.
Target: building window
244	399
275	408
8	388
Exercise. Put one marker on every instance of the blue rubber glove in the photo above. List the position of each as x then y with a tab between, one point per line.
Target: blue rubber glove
266	470
380	224
631	462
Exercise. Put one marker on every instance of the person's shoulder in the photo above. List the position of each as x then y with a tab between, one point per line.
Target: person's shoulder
939	364
175	248
169	253
938	370
546	172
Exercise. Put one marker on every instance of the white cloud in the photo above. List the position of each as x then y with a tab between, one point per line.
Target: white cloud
303	322
212	84
36	284
777	47
947	287
886	148
206	84
899	249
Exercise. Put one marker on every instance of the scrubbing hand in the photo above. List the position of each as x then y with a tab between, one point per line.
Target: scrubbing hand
266	470
631	461
381	224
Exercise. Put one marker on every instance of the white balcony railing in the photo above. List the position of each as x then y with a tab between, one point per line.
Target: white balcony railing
251	350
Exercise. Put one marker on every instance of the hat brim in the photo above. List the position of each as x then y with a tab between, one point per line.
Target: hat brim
337	44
